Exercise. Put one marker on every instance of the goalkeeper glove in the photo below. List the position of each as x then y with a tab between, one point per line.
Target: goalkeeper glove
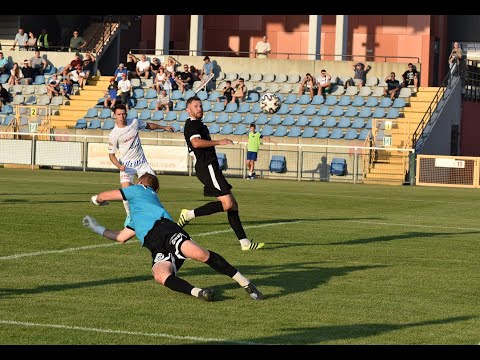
91	223
95	202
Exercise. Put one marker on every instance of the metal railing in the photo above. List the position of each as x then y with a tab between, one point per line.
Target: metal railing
277	55
439	95
96	43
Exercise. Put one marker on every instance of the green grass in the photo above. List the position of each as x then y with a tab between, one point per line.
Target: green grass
343	264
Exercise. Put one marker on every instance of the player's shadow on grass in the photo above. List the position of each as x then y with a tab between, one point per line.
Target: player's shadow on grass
246	223
4	292
408	235
299	278
329	333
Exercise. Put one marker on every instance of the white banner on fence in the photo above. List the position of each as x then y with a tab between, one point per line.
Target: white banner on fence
160	158
450	163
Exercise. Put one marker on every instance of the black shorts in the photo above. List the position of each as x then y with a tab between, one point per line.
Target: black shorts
164	241
213	180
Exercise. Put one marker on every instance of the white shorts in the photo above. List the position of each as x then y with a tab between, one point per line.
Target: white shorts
129	174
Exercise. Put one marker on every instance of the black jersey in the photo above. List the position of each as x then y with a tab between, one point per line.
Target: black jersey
203	156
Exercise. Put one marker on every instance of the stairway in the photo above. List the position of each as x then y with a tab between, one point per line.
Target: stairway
389	166
66	116
99	36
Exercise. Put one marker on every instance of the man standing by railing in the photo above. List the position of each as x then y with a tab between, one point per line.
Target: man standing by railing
262	49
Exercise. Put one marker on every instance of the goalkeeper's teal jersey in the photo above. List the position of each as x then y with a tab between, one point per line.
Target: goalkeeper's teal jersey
145	209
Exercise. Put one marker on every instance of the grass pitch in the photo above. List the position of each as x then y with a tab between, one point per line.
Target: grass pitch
343	264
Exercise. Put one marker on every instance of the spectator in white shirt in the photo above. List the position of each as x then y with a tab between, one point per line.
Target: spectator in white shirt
143	67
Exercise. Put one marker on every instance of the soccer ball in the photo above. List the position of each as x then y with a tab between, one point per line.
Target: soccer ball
270	103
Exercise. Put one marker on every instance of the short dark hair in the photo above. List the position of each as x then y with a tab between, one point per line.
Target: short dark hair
253	125
119	106
241	79
323	70
192	99
228	82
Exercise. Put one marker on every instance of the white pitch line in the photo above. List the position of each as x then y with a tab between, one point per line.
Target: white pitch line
88	247
123	332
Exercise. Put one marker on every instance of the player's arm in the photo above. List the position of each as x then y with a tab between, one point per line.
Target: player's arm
199	143
115	162
153	126
103	198
121	236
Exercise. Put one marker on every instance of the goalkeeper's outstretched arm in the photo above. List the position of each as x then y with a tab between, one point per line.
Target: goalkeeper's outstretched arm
121	236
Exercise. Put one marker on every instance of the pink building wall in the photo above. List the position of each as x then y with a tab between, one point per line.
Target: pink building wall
385	35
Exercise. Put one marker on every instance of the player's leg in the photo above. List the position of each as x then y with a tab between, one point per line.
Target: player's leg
192	250
126	179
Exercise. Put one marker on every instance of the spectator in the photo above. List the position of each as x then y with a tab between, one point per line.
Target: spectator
120	71
73	64
164	102
262	49
323	82
15	75
195	73
111	94
21	39
124	88
3	64
27	72
308	84
240	93
87	66
31	42
227	93
154	66
38	63
131	67
360	73
4	96
170	83
143	67
455	56
207	68
43	42
66	89
410	77
184	80
171	65
53	86
77	76
76	42
393	86
160	79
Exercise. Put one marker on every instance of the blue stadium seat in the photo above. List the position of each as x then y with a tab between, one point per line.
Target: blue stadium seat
244	108
372	101
344	100
176	95
278	164
385	102
338	167
256	109
363	134
351	134
358	123
151	94
236	118
310	110
323	110
252	97
81	124
206	105
330	122
365	112
280	131
213	96
91	113
295	132
183	116
138	93
368	125
344	122
202	95
157	115
288	120
152	105
378	112
399	103
336	133
284	109
180	105
316	121
227	129
176	126
94	124
105	113
144	115
393	113
188	94
302	121
248	119
267	130
330	100
291	99
4	78
304	99
262	119
141	104
132	114
351	111
318	100
296	109
308	132
337	111
358	101
241	129
322	133
170	116
222	118
39	80
209	118
222	161
275	120
108	124
218	107
214	128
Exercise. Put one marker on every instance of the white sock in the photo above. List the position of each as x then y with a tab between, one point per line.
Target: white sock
190	214
242	280
245	242
126	206
195	291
